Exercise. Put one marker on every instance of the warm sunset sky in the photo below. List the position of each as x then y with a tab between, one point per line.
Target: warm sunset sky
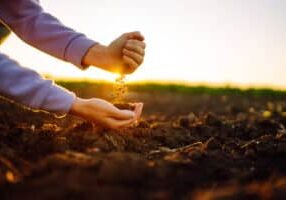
217	41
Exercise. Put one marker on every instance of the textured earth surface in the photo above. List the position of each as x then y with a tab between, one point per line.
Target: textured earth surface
187	146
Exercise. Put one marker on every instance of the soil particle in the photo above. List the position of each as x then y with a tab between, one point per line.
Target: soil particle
216	147
124	106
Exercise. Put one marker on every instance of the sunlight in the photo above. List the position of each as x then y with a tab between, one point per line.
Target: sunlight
191	43
203	117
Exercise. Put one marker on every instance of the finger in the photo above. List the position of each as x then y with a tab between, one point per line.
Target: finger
126	123
130	62
138	110
133	55
135	48
135	35
136	43
116	124
123	114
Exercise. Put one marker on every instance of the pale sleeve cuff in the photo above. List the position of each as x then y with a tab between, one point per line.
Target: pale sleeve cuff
58	100
77	49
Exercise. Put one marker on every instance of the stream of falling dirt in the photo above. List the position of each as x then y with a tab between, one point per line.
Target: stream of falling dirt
119	89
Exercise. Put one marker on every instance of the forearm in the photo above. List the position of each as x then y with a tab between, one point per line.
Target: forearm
98	56
30	89
40	29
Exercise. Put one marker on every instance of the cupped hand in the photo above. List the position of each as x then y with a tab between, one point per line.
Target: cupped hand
104	113
124	55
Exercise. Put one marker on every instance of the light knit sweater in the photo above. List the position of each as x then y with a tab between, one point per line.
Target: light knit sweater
32	24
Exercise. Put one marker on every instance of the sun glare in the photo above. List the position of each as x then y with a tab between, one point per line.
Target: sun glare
218	44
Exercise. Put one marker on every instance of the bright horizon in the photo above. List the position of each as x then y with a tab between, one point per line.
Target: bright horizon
207	41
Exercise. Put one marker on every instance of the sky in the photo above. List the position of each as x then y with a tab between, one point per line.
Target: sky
238	42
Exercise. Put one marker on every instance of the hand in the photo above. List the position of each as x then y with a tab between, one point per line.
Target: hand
124	55
104	113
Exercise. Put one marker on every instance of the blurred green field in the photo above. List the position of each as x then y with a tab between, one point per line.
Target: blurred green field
105	87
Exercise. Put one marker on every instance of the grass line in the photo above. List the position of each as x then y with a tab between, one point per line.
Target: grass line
177	88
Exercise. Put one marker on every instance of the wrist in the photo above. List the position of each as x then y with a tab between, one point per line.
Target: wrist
76	107
97	56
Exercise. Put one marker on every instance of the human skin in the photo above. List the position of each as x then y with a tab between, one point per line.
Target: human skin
30	22
104	113
124	55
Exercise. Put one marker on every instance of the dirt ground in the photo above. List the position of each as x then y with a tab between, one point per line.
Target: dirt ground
187	146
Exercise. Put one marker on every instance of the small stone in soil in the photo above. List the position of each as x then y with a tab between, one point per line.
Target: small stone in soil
213	120
184	122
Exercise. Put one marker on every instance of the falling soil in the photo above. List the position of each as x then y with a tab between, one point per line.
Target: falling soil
119	89
185	147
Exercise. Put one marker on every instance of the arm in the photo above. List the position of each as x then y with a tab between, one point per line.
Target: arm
36	27
43	31
29	88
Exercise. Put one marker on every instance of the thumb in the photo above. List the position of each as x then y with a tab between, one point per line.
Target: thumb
138	110
135	36
115	124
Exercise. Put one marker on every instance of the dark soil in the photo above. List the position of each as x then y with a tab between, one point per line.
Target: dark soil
185	147
124	106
